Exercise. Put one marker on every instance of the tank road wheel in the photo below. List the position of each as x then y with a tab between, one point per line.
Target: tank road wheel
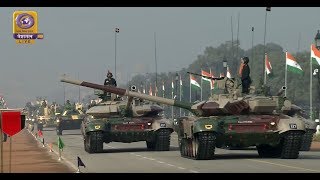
287	149
162	140
307	140
291	145
203	145
94	142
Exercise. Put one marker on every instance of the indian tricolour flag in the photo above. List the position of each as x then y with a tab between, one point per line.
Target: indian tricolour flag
315	55
268	66
228	72
292	64
193	82
204	73
212	81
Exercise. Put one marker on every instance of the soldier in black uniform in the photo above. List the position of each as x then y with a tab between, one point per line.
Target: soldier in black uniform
110	81
245	75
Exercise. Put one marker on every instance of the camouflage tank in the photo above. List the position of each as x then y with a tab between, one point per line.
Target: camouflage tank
43	117
126	121
228	119
69	120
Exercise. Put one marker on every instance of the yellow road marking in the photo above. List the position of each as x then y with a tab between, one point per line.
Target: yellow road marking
283	165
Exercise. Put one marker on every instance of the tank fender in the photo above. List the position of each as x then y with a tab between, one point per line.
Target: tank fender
291	124
205	125
97	125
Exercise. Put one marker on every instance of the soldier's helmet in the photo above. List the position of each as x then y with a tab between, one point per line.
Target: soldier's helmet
245	60
109	74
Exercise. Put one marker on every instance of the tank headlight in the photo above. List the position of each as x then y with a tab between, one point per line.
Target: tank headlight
149	124
58	120
272	123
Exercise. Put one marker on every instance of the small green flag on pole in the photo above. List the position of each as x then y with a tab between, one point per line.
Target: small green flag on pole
60	143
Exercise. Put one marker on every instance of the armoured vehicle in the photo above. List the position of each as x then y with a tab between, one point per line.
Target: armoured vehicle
126	121
229	119
44	117
70	119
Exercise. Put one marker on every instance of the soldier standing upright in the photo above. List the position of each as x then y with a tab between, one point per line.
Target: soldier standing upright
109	81
244	73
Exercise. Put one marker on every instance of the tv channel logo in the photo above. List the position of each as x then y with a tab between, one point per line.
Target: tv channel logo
25	27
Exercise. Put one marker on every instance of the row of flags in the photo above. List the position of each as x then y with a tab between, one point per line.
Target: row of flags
192	82
291	65
291	62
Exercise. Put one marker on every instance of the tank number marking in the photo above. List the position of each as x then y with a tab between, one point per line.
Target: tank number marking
97	127
128	122
208	126
162	124
244	121
293	126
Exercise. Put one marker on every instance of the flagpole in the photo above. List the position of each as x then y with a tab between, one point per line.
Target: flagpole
201	87
172	97
59	155
285	78
10	155
190	87
311	87
264	46
1	145
180	84
211	84
265	68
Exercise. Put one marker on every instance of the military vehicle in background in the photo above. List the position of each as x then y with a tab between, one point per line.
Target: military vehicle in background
70	119
43	117
126	121
227	119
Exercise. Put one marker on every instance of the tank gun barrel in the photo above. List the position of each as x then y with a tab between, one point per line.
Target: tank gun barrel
212	78
125	92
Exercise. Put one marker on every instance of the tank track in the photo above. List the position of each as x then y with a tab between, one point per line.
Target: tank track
93	142
291	145
307	140
287	149
200	147
162	140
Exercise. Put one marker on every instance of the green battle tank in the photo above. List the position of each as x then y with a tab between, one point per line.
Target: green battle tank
228	119
70	119
126	121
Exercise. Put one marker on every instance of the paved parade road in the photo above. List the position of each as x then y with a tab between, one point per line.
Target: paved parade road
134	158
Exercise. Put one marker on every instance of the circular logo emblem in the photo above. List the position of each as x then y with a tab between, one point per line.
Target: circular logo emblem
25	21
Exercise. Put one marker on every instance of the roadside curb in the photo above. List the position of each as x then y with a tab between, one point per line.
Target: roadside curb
47	146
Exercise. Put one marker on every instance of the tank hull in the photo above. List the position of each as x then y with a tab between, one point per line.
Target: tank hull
271	131
154	130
